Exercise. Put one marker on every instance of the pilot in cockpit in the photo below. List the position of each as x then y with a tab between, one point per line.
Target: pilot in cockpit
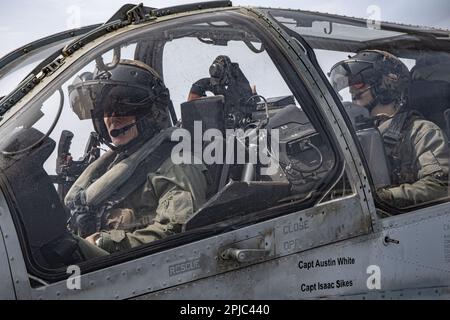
416	149
133	194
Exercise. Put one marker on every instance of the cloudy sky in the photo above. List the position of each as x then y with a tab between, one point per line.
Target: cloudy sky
23	21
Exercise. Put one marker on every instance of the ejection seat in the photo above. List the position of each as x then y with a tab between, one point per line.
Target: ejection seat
37	207
430	90
371	143
432	100
209	112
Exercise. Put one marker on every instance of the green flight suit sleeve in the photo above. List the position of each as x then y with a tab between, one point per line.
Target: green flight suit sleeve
89	251
431	157
181	190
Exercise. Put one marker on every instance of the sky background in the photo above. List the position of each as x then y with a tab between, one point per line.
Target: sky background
23	21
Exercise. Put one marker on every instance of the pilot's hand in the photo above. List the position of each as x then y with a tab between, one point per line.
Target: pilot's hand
120	218
92	239
385	195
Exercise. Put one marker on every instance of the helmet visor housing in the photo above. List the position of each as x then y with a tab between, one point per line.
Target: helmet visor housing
100	98
131	88
350	77
386	76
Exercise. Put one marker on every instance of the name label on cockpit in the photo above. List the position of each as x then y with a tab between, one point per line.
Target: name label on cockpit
320	286
323	263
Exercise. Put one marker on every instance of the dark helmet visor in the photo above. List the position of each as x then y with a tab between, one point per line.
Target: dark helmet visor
99	98
350	73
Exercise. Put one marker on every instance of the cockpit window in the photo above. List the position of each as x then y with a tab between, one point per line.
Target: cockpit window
163	133
395	88
321	28
401	120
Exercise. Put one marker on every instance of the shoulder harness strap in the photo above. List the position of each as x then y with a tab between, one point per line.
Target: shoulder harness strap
151	164
393	137
393	134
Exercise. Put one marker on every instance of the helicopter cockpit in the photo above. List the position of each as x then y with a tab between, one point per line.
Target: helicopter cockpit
253	130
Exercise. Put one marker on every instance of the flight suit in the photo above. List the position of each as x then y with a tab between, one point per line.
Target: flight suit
419	164
164	203
156	209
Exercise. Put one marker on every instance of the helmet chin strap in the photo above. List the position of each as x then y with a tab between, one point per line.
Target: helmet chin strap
145	131
141	124
359	94
370	106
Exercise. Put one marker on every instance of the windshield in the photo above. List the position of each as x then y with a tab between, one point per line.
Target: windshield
110	160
